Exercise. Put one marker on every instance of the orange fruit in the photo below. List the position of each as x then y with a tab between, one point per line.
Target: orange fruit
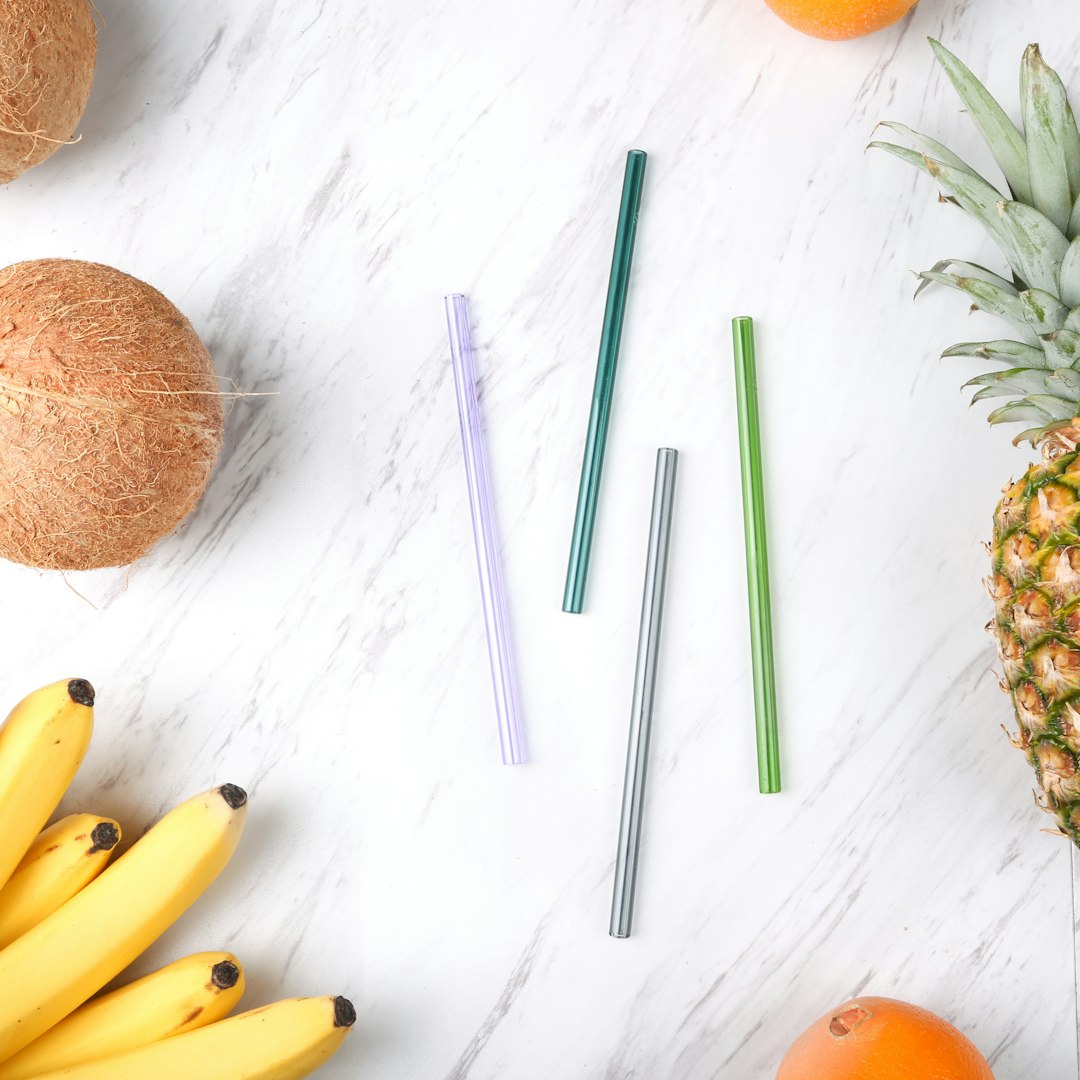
837	20
880	1039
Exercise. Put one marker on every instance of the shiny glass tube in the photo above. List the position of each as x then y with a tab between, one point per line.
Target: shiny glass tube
757	557
641	709
511	739
600	414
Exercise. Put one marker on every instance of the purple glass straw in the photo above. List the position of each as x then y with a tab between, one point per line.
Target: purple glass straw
511	740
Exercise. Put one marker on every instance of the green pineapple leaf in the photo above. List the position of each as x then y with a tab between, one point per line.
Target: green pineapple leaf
930	148
1012	383
1033	435
1051	136
991	298
1001	134
970	191
1056	408
966	269
981	200
991	392
1065	383
1020	410
1074	219
1062	348
1073	321
1037	243
1044	312
1013	353
1070	136
1069	275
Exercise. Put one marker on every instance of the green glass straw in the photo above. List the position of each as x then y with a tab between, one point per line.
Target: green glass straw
600	415
757	558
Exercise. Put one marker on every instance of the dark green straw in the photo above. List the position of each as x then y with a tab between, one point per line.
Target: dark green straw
757	557
600	415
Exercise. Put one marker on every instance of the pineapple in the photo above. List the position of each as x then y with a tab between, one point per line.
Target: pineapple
1034	218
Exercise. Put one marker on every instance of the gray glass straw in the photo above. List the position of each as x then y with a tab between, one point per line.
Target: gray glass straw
511	741
637	753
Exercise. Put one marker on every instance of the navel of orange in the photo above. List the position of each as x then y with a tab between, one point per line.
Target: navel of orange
883	1039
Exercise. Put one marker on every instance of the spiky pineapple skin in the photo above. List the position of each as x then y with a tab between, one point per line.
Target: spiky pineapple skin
1035	585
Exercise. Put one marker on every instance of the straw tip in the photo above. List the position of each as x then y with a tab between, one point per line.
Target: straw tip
742	320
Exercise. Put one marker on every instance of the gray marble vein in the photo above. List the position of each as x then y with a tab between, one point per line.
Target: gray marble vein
514	985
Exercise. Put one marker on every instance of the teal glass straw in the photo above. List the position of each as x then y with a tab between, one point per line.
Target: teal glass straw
757	558
603	388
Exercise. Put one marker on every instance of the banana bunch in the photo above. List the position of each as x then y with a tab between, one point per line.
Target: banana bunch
71	921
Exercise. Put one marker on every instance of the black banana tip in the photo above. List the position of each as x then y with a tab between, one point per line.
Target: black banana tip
225	975
234	796
105	836
81	692
344	1013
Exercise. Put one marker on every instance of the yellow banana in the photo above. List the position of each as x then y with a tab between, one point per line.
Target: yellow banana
284	1041
54	967
186	995
42	744
63	858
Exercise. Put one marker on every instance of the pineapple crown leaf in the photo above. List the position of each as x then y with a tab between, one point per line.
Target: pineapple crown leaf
1063	349
1069	275
1038	246
1016	375
926	146
1031	243
992	298
967	269
1005	352
1035	222
1053	144
965	186
1001	134
1054	407
1033	435
1027	409
1063	384
1044	312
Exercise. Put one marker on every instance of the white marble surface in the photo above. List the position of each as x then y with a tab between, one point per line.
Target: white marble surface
306	180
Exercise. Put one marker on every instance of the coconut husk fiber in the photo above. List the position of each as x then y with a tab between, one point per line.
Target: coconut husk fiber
110	415
47	53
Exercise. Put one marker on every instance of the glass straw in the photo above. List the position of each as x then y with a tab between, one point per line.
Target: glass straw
641	710
757	558
603	388
511	740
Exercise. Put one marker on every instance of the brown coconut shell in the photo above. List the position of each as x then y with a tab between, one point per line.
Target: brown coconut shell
47	53
110	415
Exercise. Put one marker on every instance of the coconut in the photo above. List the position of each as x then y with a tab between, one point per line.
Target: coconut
47	52
110	415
